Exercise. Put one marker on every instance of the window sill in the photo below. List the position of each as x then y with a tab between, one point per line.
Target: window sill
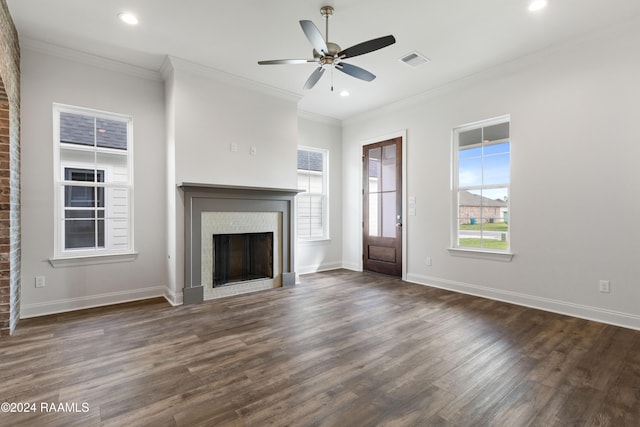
314	242
482	254
75	261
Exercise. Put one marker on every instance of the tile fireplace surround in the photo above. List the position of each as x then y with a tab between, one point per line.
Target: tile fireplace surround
202	199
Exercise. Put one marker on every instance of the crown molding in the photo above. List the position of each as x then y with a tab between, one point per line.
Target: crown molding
89	59
166	69
302	114
175	63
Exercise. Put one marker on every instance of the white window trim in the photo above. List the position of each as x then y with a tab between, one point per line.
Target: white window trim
326	236
487	254
80	260
75	257
468	252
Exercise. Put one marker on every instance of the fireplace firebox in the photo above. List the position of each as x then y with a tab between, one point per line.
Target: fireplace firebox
242	257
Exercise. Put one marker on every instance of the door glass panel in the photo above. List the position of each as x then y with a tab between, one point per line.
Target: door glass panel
389	214
382	191
374	214
375	168
389	168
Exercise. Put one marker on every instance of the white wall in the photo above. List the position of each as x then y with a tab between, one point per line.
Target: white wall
211	113
208	112
312	256
574	208
80	80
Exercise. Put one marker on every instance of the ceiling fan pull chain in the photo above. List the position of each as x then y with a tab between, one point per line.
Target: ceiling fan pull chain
332	79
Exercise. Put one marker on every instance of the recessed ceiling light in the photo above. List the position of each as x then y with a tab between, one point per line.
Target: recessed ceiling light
344	93
128	18
535	5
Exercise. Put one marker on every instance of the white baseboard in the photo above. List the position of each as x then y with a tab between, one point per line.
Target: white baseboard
318	268
80	303
611	317
352	267
174	298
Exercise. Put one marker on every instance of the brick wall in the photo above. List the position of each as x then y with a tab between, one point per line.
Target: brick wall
9	173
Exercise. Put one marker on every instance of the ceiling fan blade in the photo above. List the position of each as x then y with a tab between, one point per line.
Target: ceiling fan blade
366	47
314	36
314	77
286	61
357	72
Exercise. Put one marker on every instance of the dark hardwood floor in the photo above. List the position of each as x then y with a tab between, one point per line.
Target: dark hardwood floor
340	349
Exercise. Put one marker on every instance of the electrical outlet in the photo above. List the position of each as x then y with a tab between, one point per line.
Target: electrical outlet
429	261
40	282
605	286
233	147
253	151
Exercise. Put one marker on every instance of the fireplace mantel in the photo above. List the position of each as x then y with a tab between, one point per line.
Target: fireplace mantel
200	197
231	189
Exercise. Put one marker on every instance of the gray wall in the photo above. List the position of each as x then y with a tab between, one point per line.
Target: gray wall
75	79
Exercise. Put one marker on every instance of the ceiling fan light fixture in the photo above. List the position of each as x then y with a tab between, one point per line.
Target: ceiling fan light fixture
536	5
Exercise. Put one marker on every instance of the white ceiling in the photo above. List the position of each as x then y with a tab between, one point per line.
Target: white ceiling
461	37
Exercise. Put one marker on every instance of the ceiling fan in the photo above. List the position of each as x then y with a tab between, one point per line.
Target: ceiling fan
329	54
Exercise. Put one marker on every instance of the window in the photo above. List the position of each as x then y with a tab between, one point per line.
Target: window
93	182
482	154
312	211
84	210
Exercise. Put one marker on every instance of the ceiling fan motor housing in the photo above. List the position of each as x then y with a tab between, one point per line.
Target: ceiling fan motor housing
332	55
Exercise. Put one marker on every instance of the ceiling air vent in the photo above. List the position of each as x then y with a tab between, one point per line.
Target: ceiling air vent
414	59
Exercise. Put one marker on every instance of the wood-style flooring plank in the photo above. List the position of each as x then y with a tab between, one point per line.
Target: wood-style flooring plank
341	348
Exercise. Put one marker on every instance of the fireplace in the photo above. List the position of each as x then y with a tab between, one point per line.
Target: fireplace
242	257
213	211
240	225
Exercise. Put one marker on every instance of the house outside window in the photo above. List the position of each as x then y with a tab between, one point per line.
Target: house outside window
481	185
94	182
312	202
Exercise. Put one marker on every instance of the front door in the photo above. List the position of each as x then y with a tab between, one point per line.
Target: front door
382	207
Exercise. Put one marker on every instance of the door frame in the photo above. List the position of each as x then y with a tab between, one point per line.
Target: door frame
398	134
